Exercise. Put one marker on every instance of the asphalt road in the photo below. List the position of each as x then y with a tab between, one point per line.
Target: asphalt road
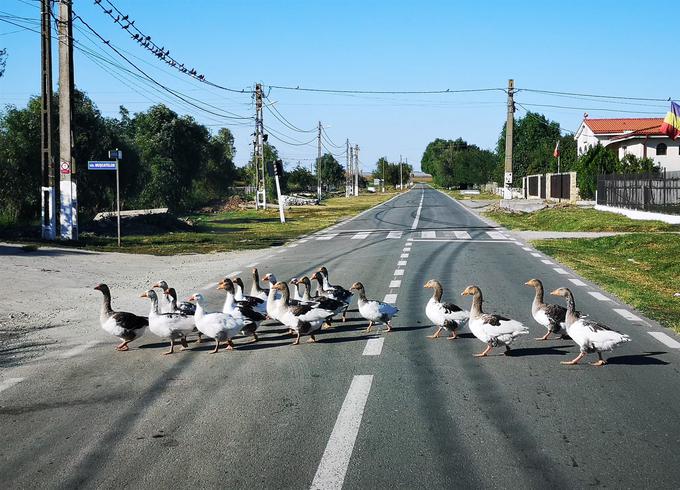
418	413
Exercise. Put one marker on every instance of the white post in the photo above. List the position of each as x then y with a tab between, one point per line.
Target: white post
278	193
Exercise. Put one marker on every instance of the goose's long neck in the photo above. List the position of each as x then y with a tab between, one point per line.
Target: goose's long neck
154	306
476	308
106	309
362	294
271	297
285	295
324	279
306	289
229	301
256	281
238	292
199	310
538	298
437	293
571	309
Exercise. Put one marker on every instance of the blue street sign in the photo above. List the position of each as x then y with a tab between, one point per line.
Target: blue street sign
98	165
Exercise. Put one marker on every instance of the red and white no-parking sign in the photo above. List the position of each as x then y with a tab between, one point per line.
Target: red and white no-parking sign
65	167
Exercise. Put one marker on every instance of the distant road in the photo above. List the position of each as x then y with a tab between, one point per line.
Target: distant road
359	410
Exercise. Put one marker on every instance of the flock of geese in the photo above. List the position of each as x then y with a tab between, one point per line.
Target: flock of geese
307	314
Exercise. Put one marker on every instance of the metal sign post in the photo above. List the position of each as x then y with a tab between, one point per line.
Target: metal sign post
108	165
278	171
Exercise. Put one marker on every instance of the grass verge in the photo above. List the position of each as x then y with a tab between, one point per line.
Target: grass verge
482	196
574	218
236	230
641	269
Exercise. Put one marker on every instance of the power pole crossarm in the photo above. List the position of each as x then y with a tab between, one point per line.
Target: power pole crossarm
507	191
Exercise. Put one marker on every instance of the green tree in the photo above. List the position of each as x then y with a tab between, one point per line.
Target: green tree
3	61
631	164
455	163
535	137
597	160
332	173
300	179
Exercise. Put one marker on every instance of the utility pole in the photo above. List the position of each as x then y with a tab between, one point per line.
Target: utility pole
260	171
507	191
401	176
48	188
348	170
67	181
318	162
409	177
356	168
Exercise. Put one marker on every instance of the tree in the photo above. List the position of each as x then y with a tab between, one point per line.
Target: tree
455	163
391	172
299	179
535	137
631	164
332	173
597	160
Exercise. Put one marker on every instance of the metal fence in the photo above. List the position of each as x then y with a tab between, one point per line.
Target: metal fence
659	192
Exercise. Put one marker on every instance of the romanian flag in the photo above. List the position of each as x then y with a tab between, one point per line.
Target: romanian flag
556	152
671	125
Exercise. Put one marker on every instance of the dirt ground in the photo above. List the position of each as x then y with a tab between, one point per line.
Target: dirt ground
47	296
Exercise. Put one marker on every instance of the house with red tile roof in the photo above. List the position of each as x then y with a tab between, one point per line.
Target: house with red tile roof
641	137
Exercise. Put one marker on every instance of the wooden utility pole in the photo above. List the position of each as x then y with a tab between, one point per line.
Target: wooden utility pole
48	189
67	182
260	171
507	181
318	162
357	172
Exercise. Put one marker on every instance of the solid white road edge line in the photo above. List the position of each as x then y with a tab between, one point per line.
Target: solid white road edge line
665	339
9	382
374	347
333	466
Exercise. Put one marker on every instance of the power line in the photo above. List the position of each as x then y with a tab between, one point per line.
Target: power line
177	94
328	139
160	52
529	113
283	120
599	96
384	92
602	109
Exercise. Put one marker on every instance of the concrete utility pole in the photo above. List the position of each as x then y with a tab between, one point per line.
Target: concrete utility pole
401	176
357	171
48	190
67	181
348	170
507	191
318	162
260	171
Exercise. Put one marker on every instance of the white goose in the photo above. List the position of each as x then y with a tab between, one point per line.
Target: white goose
373	310
589	335
444	315
334	305
332	291
240	311
494	330
215	325
255	289
166	303
172	326
302	319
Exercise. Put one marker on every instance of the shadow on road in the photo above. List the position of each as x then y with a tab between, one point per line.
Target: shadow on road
645	359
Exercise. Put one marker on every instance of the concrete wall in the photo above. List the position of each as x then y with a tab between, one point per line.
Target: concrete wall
673	219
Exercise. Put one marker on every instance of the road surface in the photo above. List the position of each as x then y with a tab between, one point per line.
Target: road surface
360	410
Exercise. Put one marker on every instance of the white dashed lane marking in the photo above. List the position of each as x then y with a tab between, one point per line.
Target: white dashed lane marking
327	236
374	347
399	272
403	256
361	236
390	298
627	315
395	284
665	339
333	466
394	234
535	254
559	270
598	296
9	382
401	263
526	248
546	261
578	282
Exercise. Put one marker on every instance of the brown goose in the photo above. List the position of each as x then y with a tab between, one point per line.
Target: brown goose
550	316
444	315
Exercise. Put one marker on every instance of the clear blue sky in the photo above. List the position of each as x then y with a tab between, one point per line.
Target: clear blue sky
603	47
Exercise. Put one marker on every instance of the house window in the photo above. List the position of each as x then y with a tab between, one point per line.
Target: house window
661	149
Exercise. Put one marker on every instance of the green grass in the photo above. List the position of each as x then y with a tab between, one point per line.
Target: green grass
574	218
233	230
641	269
482	196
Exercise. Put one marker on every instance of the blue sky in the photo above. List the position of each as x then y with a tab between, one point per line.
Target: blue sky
604	47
